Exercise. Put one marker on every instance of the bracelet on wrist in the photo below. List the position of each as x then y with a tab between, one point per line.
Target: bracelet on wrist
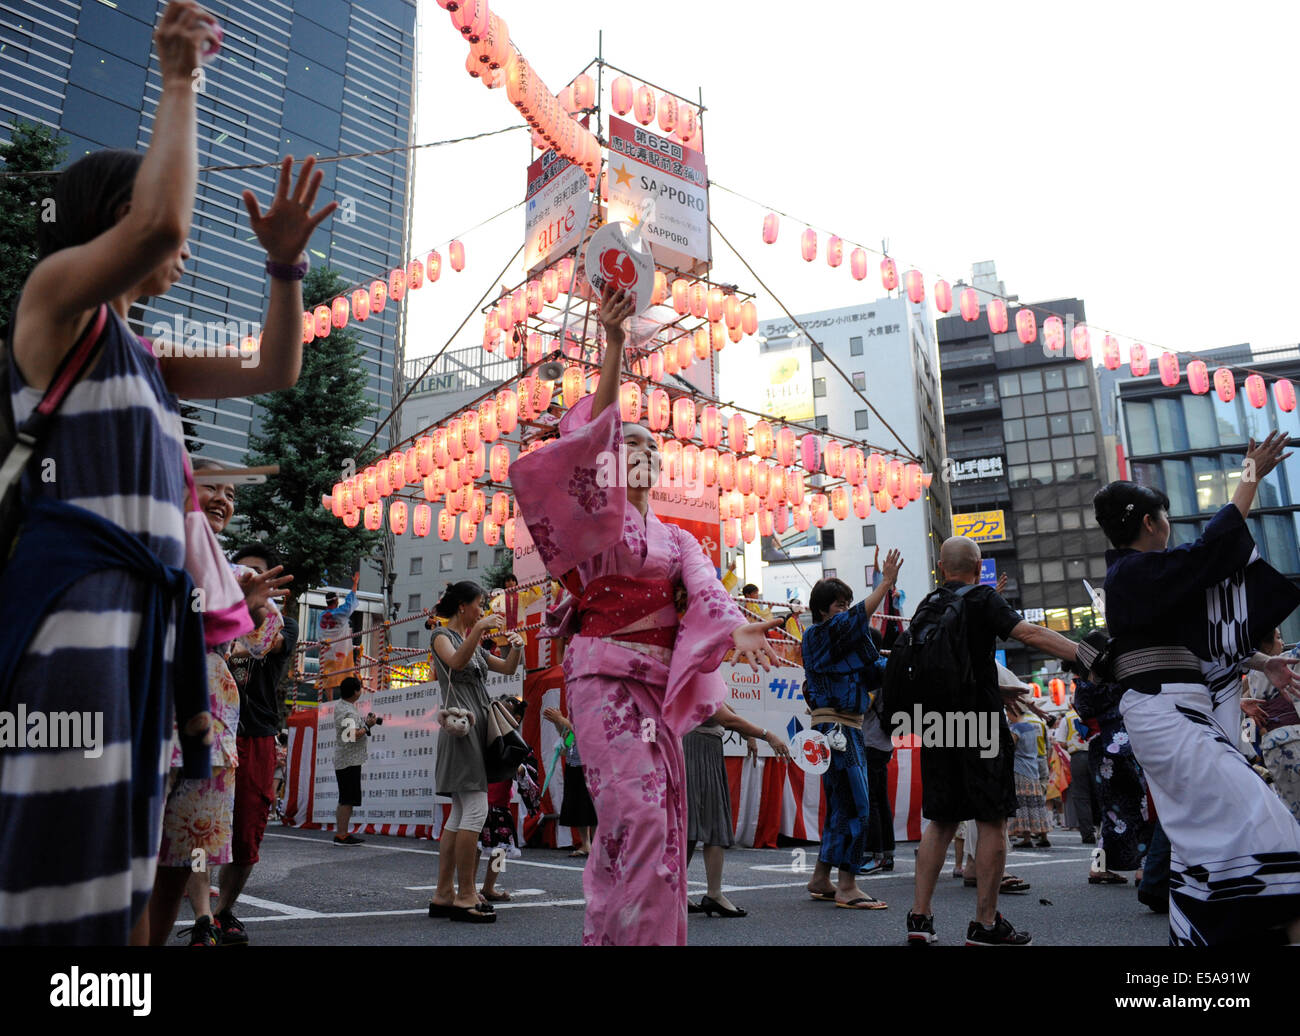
288	271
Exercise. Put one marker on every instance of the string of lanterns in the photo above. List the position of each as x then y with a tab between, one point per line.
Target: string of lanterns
1052	333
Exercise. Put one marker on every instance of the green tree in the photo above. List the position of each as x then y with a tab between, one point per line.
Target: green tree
495	577
310	431
29	148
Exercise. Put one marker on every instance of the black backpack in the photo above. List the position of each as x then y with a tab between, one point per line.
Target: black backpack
930	663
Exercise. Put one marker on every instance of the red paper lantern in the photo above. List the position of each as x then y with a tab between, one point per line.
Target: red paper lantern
433	266
996	311
1110	353
715	303
700	342
1284	395
858	264
794	486
1054	334
1256	394
378	296
785	446
771	227
1082	346
468	528
456	256
491	532
446	524
499	462
396	284
709	466
840	503
1026	327
749	317
644	108
764	440
819	509
584	92
834	252
888	273
875	472
1138	361
766	523
882	501
658	410
630	401
374	517
508	531
1224	385
469	16
1168	364
969	305
855	465
942	296
915	284
745	475
808	245
414	275
397	517
621	95
684	419
699	300
810	451
833	459
737	434
351	518
660	290
667	112
912	484
718	337
727	471
682	296
731	532
731	312
487	421
861	502
688	124
324	321
308	328
691	463
339	312
423	520
1198	377
802	518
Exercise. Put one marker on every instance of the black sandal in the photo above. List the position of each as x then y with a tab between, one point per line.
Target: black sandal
470	915
439	910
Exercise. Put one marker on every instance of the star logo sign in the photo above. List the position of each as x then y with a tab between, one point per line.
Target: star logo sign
622	175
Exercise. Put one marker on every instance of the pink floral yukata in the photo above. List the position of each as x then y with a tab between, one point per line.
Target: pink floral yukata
630	705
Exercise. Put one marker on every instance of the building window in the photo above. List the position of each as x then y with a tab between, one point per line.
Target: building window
413	605
417	566
413	639
822	423
860	419
860	380
819	386
855	345
471	559
829	573
1009	384
444	563
868	535
828	539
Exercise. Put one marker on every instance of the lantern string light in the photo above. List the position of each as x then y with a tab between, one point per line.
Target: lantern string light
911	454
1038	310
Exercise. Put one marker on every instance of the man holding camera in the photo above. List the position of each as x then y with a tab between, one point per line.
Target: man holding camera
351	730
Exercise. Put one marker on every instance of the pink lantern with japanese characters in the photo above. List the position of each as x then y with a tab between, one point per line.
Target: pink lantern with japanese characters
969	305
1168	364
834	251
858	264
1224	385
1284	395
1256	393
942	296
915	284
1198	377
771	227
1054	334
1082	345
996	311
1138	362
808	244
1110	353
888	273
1026	327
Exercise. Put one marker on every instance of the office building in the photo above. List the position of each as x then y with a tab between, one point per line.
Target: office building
319	77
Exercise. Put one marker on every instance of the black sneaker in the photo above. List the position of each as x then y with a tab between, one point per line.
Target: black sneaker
350	840
1001	934
203	933
230	929
920	929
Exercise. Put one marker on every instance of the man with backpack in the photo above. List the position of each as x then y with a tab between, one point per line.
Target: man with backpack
944	662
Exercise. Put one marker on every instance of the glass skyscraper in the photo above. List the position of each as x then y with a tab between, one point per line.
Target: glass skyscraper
321	77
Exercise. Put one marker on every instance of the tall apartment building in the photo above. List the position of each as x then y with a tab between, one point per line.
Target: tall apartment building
319	77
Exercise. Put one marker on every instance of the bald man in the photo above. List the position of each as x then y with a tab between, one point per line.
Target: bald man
959	782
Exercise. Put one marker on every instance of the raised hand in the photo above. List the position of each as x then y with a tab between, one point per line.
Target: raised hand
1263	457
288	224
184	32
615	307
893	562
752	644
261	587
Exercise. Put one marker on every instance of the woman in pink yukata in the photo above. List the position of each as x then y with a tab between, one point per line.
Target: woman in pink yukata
638	676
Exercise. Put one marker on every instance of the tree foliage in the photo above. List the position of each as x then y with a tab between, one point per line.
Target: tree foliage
310	431
30	148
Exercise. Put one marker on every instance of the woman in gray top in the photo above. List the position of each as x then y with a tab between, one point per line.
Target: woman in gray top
459	771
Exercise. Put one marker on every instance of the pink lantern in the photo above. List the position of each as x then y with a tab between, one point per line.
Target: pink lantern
710	426
715	304
324	320
771	227
699	300
1110	353
785	447
630	401
834	252
781	520
1284	395
833	459
764	441
748	527
727	471
1168	364
308	328
396	284
446	524
855	465
701	342
810	451
688	124
942	296
644	108
1256	394
658	410
684	419
455	255
361	304
969	305
745	475
996	311
875	472
1198	378
339	312
709	466
508	531
423	520
468	528
819	507
374	517
794	487
397	516
840	503
915	283
1026	327
621	95
351	518
766	523
500	507
894	478
888	273
682	296
660	290
499	464
858	264
667	112
731	312
912	481
718	336
737	434
691	462
808	245
861	502
1054	334
882	501
1138	362
491	532
1224	385
731	532
584	92
507	411
802	519
749	318
414	275
1082	346
433	267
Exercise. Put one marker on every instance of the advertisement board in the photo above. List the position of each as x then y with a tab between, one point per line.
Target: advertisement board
981	526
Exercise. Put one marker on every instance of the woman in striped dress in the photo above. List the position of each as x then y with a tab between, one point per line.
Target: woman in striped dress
94	599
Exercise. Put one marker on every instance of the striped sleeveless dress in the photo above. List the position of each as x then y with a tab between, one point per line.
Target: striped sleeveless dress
80	840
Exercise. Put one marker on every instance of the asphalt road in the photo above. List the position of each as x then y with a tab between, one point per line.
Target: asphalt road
308	892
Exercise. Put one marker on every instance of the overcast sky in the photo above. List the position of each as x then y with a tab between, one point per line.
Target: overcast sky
1137	155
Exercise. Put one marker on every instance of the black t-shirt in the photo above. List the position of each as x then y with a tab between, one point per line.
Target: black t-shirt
258	679
988	619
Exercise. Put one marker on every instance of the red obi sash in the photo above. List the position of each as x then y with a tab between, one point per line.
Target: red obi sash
623	608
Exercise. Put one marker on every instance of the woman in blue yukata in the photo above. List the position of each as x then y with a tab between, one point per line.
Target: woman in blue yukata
1183	622
843	667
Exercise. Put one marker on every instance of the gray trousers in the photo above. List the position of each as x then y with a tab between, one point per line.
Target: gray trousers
1081	797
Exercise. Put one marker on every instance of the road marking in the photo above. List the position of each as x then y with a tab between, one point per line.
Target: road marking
779	868
429	852
423	911
515	892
